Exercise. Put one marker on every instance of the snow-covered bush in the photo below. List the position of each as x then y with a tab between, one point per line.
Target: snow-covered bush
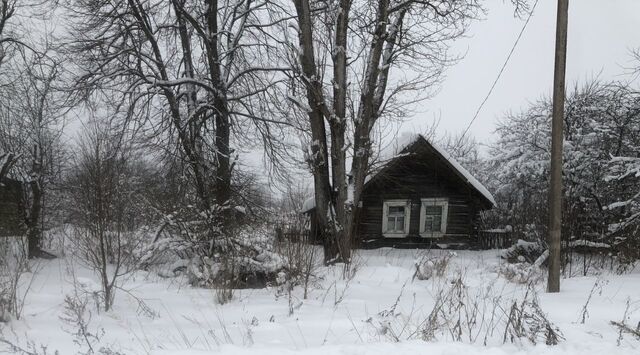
428	267
625	230
243	268
521	273
523	262
245	257
523	251
246	253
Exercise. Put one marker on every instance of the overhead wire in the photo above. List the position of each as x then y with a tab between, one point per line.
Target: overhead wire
495	82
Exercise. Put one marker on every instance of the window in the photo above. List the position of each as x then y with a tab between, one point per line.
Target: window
433	217
395	218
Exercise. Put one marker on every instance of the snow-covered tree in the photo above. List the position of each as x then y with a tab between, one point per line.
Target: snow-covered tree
601	151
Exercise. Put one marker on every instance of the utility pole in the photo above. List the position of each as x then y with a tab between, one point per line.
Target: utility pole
555	191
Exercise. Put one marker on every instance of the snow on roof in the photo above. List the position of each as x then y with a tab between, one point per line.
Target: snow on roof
465	173
391	152
406	139
397	147
308	204
588	243
4	158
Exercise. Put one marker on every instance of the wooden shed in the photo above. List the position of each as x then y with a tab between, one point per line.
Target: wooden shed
11	208
421	197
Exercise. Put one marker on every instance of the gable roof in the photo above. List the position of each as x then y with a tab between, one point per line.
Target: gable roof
406	146
412	142
6	160
308	204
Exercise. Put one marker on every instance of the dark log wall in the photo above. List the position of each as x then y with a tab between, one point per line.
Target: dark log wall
11	210
422	174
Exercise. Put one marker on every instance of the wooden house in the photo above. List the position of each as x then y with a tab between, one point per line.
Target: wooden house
421	197
11	208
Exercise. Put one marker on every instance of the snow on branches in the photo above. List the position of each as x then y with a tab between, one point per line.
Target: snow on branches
601	167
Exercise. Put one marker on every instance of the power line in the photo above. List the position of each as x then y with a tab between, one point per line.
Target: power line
504	65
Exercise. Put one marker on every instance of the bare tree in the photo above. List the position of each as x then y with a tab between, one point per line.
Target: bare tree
31	128
345	59
183	72
464	149
103	192
31	106
7	34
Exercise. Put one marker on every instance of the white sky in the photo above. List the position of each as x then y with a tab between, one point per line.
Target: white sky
601	35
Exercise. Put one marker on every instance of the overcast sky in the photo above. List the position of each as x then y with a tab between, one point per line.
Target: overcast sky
601	35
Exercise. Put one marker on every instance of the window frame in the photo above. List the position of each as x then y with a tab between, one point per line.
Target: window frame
437	201
406	203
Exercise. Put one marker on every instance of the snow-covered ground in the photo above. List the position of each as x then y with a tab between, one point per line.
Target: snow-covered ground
352	314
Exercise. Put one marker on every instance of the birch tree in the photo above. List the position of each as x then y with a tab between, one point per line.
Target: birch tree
358	62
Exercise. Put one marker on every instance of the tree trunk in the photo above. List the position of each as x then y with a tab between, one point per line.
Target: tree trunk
372	92
318	157
223	158
339	245
222	189
34	232
336	241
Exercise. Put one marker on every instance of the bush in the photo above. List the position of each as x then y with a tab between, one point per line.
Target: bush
246	258
428	267
523	251
301	261
473	315
521	273
13	264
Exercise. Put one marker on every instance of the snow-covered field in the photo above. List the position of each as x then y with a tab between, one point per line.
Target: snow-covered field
344	314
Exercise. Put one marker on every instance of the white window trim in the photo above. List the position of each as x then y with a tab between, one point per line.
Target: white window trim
444	202
407	217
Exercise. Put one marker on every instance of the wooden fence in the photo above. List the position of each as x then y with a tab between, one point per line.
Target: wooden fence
495	239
